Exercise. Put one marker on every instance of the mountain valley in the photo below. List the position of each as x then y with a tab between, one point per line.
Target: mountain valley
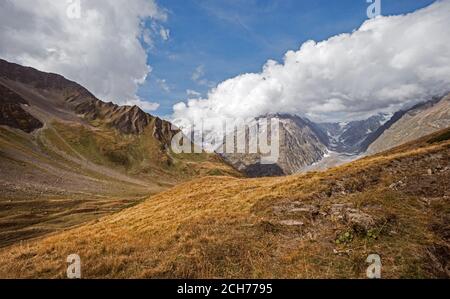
83	176
67	157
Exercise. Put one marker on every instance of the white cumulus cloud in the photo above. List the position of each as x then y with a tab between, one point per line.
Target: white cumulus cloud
387	63
101	49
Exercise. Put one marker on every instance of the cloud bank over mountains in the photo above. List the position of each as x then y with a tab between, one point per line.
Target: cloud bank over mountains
101	49
387	63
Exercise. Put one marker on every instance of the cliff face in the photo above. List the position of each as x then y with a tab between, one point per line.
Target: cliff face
302	143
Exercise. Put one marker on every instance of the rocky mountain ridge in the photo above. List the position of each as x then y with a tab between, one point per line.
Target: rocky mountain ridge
305	145
74	97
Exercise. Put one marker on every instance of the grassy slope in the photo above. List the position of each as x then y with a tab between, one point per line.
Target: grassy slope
67	174
271	227
138	154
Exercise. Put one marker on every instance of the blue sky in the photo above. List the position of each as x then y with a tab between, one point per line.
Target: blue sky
220	39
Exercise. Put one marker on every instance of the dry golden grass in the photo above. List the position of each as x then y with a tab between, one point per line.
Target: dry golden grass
223	227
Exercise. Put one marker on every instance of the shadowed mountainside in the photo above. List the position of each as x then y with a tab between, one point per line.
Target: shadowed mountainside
13	115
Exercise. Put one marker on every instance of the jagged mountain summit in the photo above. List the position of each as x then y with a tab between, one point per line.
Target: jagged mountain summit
125	137
304	143
54	93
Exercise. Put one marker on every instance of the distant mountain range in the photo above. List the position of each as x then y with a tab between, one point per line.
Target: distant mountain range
305	143
349	137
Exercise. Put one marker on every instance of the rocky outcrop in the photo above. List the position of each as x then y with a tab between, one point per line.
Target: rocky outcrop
12	113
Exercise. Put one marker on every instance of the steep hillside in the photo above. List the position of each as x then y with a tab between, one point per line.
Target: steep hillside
302	143
72	122
315	225
67	157
421	120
